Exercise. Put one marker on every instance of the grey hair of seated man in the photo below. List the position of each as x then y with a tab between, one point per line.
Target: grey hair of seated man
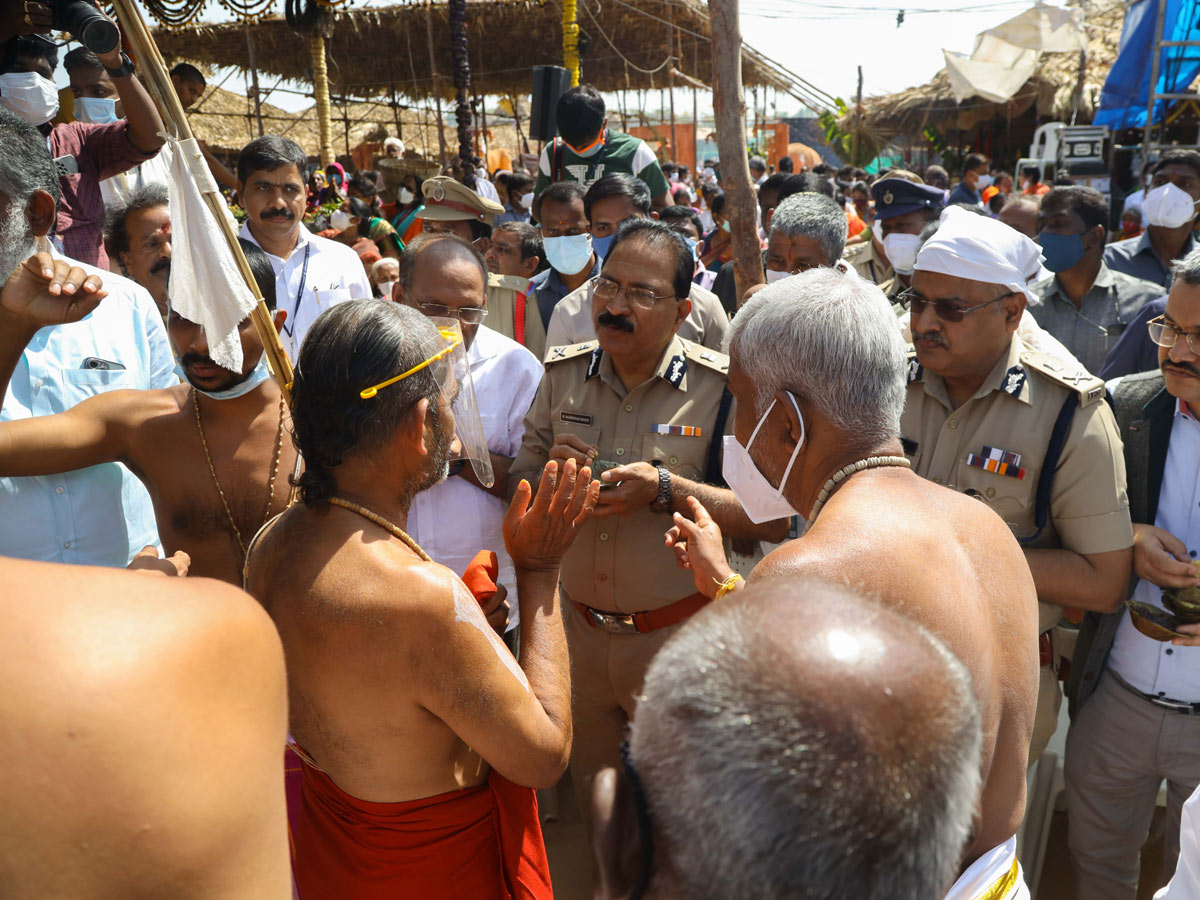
797	740
830	338
813	216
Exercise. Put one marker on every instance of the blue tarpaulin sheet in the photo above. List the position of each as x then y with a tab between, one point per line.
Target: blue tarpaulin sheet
1126	91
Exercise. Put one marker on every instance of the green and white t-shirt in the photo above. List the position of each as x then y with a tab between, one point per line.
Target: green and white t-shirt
621	153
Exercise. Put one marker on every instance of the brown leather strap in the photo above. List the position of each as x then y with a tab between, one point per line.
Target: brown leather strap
654	619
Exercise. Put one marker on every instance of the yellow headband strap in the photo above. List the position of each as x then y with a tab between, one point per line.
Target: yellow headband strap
368	393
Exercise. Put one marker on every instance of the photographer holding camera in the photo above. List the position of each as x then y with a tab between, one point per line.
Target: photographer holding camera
86	153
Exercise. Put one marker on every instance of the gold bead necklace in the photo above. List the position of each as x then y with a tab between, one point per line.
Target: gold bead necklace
382	523
213	472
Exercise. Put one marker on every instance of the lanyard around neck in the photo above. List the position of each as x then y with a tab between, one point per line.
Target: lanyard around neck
299	294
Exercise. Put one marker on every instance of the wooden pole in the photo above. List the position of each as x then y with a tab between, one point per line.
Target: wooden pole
396	114
671	87
321	94
730	106
254	76
437	89
153	73
857	114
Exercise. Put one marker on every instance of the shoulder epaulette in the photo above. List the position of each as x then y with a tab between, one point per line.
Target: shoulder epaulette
853	250
1068	374
711	359
570	351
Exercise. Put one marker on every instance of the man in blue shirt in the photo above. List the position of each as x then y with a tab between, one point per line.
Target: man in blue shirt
101	515
567	239
974	179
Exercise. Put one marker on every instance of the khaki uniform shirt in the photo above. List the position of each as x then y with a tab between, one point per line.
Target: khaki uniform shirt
621	564
571	322
1014	412
504	292
868	263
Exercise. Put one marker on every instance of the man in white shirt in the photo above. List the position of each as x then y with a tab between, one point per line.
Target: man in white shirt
610	202
1135	700
311	273
444	277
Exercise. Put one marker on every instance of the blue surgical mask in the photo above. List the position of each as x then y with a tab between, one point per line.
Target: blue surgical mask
95	110
695	245
257	376
1062	251
569	254
600	246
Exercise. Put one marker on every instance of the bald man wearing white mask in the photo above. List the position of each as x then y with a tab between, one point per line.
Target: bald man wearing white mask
1027	433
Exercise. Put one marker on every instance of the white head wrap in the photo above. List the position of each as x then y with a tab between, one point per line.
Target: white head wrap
394	142
975	247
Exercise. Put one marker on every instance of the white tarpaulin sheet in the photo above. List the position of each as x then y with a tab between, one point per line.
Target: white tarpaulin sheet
1006	56
206	285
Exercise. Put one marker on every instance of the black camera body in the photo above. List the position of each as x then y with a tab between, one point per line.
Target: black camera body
84	22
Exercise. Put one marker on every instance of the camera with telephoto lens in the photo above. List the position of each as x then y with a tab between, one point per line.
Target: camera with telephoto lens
84	22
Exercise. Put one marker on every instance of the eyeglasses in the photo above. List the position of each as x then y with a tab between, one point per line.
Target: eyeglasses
468	315
947	312
607	289
1165	334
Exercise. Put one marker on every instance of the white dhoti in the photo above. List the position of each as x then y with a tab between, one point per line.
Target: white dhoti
994	876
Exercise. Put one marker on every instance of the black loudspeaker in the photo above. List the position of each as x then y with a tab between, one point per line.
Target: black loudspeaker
549	83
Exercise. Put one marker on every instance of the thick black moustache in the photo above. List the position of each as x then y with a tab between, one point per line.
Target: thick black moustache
621	323
929	336
163	265
1181	367
278	215
195	359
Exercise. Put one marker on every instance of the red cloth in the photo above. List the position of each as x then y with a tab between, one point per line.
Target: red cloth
481	574
483	843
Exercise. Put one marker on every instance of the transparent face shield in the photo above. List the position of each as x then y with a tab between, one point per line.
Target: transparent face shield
452	370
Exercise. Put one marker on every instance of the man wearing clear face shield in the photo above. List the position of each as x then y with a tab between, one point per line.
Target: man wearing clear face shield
421	736
1170	208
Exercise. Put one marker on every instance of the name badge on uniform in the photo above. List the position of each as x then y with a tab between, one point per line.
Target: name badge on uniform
575	418
685	430
1001	462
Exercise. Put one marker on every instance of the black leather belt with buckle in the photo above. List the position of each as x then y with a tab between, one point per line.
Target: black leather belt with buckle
613	623
1180	706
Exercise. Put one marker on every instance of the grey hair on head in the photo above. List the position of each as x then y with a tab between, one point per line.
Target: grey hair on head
813	216
831	338
1187	269
25	163
796	784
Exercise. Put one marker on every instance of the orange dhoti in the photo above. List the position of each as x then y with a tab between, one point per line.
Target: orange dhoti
482	843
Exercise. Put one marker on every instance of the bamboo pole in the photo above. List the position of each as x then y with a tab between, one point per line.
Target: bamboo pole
153	73
437	90
254	76
730	106
316	47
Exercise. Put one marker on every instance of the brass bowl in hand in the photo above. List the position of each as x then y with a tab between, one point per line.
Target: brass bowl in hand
1153	622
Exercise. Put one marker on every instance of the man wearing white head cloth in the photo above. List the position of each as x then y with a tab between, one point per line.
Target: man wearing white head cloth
1026	433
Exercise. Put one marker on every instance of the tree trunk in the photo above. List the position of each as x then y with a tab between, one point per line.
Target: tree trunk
730	108
462	88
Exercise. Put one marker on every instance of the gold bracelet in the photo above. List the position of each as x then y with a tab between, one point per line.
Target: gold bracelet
724	587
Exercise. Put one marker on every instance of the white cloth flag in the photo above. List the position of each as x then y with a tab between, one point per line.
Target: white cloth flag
206	285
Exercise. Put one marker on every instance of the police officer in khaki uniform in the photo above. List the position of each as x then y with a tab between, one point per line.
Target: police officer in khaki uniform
512	310
903	209
1027	434
650	404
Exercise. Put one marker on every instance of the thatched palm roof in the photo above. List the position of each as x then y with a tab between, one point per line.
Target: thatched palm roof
1051	89
227	122
374	51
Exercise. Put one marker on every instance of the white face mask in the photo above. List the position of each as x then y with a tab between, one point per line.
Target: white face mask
340	220
95	110
761	501
385	289
570	254
773	276
901	251
405	197
526	200
30	96
983	181
1168	206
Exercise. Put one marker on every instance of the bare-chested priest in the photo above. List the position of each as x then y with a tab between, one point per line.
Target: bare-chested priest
212	452
140	725
818	372
421	736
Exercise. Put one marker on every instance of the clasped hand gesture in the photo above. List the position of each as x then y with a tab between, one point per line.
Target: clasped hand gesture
46	291
537	536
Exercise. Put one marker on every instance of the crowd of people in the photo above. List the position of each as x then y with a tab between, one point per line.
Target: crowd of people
791	582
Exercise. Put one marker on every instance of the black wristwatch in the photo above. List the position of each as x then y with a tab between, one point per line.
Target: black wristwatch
662	502
126	69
